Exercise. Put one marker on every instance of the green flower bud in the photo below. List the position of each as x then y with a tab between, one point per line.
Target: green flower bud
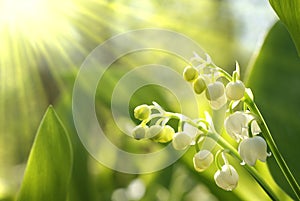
160	134
139	132
142	112
199	85
235	90
227	178
215	90
190	73
202	160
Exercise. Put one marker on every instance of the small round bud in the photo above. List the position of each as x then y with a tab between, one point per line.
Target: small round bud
215	90
227	178
202	160
139	132
142	112
252	149
190	73
160	134
235	90
199	85
181	141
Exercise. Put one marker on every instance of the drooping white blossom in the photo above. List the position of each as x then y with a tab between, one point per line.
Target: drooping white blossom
202	160
227	178
181	140
237	124
253	149
215	93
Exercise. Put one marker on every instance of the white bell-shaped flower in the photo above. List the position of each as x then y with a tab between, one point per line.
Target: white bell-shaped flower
192	131
215	90
254	127
181	140
202	160
252	149
227	178
236	125
235	90
215	93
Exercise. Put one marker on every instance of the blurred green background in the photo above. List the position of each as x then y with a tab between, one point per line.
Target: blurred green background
42	46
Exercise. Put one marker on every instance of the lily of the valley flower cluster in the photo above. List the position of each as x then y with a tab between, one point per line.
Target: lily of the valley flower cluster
241	125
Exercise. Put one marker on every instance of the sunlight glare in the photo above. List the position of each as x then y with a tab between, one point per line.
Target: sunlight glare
36	20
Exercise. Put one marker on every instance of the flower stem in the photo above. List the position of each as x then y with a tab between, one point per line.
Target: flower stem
231	150
271	143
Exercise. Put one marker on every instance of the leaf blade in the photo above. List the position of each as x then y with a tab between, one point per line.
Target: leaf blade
48	171
274	79
289	13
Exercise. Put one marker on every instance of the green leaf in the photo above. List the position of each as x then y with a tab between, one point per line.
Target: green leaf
275	79
49	166
289	12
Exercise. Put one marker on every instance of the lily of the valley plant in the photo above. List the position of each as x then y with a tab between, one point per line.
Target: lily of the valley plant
244	123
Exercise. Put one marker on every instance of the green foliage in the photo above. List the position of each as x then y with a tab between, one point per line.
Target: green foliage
53	174
49	166
274	79
289	12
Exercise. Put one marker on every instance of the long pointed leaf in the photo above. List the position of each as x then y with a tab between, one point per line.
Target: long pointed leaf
274	79
49	166
289	12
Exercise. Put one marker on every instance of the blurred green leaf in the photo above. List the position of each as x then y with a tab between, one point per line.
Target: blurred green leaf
289	12
274	79
49	166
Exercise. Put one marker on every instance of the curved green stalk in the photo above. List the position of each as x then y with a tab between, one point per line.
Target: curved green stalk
231	150
271	143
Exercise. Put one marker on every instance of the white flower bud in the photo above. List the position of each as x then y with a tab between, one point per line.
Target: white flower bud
227	178
236	125
139	132
190	73
235	90
202	160
181	140
153	131
215	90
252	149
142	112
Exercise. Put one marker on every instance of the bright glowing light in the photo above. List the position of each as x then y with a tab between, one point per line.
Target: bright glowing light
36	20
